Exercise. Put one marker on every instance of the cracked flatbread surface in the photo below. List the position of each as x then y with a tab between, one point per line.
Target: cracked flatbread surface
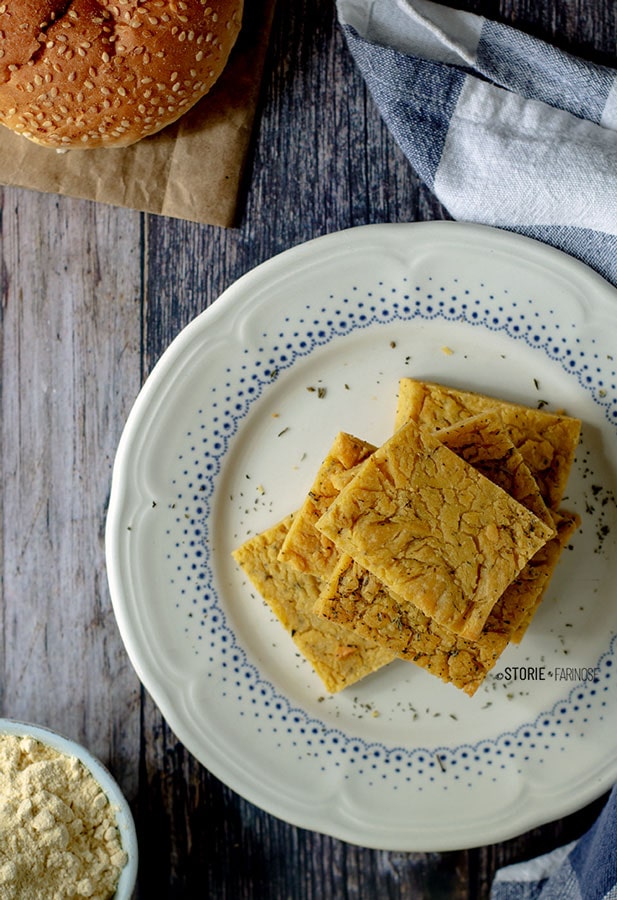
339	656
546	440
434	530
305	548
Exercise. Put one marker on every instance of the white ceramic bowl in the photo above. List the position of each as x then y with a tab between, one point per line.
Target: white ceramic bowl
124	817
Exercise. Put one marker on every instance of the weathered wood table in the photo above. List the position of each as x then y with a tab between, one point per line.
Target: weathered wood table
91	296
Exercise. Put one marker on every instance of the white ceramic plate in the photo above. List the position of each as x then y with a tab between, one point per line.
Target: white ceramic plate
117	800
224	440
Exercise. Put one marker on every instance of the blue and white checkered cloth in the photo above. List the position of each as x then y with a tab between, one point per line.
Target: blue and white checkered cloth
583	870
512	132
506	129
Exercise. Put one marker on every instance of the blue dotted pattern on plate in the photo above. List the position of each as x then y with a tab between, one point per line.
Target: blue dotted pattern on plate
247	380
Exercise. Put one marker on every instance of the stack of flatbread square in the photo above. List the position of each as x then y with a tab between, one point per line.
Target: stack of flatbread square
436	547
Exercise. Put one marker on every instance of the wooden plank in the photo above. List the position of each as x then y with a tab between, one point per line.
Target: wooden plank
70	367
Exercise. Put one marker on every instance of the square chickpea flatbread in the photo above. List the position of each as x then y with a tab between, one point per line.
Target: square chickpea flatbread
355	599
305	548
547	441
358	600
483	443
339	656
433	529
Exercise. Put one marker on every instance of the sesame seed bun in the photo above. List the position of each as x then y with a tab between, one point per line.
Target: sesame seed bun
106	73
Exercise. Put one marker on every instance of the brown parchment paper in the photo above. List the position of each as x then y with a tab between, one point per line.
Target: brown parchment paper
192	170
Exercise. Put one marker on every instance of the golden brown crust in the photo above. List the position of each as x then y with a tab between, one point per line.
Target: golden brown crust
356	599
537	574
483	442
305	548
106	73
433	529
547	441
339	656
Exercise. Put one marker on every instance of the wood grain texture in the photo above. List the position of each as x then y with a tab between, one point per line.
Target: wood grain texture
91	296
70	349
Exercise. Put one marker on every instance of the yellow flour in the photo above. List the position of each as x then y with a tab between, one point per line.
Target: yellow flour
58	834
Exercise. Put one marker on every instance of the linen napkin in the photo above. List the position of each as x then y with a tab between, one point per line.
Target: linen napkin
506	129
582	870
